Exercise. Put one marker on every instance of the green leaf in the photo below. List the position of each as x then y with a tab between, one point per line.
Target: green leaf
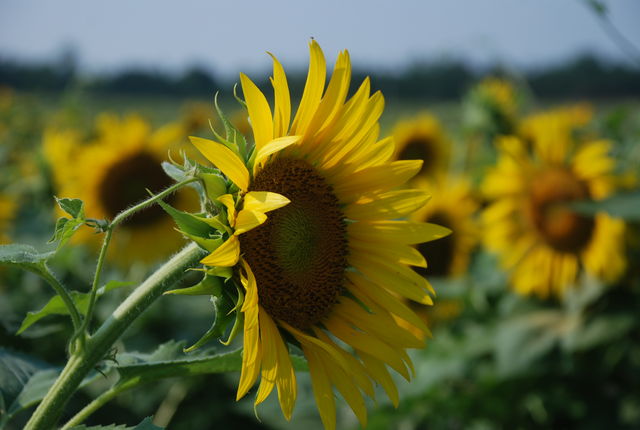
56	306
623	205
64	230
522	340
188	223
23	256
146	424
201	365
16	370
231	132
34	390
74	207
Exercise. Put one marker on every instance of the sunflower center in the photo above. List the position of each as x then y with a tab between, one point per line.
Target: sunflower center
560	227
420	148
438	253
299	255
126	182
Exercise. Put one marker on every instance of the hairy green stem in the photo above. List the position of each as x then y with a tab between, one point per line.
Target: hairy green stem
107	239
62	291
99	402
83	360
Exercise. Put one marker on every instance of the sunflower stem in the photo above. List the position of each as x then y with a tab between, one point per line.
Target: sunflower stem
99	402
83	360
62	291
107	239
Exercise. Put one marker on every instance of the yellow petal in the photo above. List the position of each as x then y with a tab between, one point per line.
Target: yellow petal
369	344
264	201
268	333
367	291
248	220
226	255
272	147
230	204
282	111
390	205
259	112
394	277
380	373
407	232
313	89
251	355
224	159
378	178
322	390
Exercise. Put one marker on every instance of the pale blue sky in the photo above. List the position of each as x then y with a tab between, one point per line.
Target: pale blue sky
232	36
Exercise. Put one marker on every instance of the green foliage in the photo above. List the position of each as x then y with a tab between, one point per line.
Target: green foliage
23	256
623	205
56	306
146	424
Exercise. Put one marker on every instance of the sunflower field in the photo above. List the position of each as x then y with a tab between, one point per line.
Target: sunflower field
388	263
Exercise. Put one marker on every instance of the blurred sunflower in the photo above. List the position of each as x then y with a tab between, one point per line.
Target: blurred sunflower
113	171
321	270
492	107
452	205
422	138
529	223
196	116
563	121
7	211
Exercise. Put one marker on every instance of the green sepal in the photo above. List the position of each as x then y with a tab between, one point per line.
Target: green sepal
208	286
238	323
214	184
210	244
56	306
189	224
221	272
224	305
231	132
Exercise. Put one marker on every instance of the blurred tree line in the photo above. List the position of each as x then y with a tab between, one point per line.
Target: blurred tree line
586	77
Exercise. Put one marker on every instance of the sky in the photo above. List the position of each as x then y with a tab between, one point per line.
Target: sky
232	36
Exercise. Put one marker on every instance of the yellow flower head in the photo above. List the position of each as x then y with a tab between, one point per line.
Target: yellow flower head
422	138
317	243
7	212
492	106
112	172
561	122
530	223
452	205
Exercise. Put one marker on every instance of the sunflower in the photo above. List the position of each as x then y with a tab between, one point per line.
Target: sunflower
422	138
492	106
7	213
321	270
113	171
452	205
562	122
530	223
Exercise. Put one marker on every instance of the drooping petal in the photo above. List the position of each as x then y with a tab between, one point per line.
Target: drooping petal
264	201
272	147
248	220
224	159
227	255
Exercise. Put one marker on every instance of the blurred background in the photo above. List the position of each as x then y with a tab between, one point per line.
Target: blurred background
536	320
